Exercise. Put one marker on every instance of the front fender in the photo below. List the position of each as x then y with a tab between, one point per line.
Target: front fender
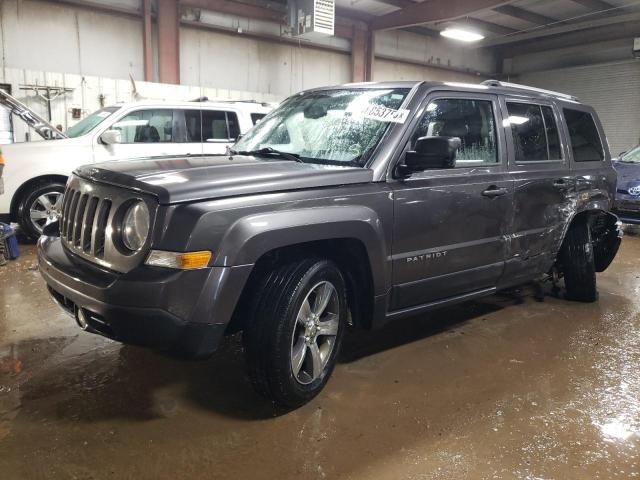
252	236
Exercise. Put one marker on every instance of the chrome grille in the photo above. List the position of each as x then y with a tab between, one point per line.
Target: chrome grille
90	219
84	222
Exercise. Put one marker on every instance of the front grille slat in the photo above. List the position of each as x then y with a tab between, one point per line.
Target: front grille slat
100	227
72	215
87	224
79	220
65	207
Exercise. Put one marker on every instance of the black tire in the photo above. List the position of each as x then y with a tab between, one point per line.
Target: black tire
578	264
271	330
29	198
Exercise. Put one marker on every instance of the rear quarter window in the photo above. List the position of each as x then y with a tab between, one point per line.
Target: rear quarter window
585	139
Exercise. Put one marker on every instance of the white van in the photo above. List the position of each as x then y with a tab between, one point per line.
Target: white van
36	172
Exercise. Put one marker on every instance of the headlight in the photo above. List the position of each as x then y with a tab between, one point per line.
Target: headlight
135	226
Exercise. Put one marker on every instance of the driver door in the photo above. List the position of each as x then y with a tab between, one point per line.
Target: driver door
451	225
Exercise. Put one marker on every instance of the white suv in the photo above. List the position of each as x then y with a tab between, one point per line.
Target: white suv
36	172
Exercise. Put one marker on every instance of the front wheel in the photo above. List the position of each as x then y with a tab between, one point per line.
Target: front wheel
41	205
293	336
578	264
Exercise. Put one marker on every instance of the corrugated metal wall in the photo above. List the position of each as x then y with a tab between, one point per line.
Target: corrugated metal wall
612	89
392	70
220	60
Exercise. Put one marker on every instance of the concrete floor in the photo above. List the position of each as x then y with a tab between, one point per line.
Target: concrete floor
502	388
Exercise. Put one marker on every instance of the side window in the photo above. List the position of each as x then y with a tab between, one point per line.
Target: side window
256	117
233	125
146	126
535	133
193	123
585	139
220	126
472	121
553	138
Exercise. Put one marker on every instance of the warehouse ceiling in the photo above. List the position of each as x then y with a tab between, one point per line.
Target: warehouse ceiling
506	23
548	23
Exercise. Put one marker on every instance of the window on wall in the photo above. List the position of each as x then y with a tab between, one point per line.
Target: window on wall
472	121
146	126
585	139
534	131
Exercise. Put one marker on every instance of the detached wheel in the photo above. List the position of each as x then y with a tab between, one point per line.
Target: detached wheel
41	205
578	264
295	330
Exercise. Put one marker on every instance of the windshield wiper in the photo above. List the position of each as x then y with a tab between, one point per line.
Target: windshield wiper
268	151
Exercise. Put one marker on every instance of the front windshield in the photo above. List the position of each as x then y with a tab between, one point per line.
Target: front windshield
335	127
89	123
632	157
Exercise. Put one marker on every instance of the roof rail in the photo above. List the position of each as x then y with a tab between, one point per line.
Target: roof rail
206	99
498	83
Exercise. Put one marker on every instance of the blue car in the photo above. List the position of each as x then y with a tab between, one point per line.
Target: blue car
628	191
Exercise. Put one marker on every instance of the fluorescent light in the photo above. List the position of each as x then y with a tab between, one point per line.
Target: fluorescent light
462	35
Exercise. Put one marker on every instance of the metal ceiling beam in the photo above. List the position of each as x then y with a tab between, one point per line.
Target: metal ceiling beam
561	29
431	11
594	5
485	26
607	33
423	31
397	3
525	15
345	20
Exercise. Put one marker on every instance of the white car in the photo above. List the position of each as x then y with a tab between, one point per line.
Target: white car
36	172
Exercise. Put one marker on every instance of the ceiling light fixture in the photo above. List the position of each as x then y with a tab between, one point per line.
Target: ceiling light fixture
462	35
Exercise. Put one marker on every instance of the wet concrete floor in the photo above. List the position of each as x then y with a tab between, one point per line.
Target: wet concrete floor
507	387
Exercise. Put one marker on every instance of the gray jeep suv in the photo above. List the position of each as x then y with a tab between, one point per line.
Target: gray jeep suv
354	205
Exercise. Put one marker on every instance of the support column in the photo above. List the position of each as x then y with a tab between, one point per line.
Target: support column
168	41
362	49
359	47
147	43
371	54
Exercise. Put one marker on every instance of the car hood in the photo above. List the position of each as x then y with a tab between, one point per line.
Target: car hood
188	179
628	175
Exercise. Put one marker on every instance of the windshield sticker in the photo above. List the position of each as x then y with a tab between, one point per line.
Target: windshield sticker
103	114
384	114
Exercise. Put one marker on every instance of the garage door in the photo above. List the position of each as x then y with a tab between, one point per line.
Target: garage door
612	89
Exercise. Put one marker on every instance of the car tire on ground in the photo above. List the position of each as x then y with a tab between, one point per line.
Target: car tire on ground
578	264
295	329
40	205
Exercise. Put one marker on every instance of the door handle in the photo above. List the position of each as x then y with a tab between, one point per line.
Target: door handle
493	192
561	184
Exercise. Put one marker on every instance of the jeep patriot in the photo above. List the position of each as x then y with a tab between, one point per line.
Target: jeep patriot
347	206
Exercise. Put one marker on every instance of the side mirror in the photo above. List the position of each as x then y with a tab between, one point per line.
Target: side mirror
431	153
111	137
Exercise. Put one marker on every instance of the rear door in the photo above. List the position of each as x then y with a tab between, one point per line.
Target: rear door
220	129
589	155
543	186
450	226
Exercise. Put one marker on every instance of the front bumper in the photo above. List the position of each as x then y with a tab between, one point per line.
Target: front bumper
627	208
185	312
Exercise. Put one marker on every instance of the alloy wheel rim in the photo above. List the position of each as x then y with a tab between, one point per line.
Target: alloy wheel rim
314	333
45	209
